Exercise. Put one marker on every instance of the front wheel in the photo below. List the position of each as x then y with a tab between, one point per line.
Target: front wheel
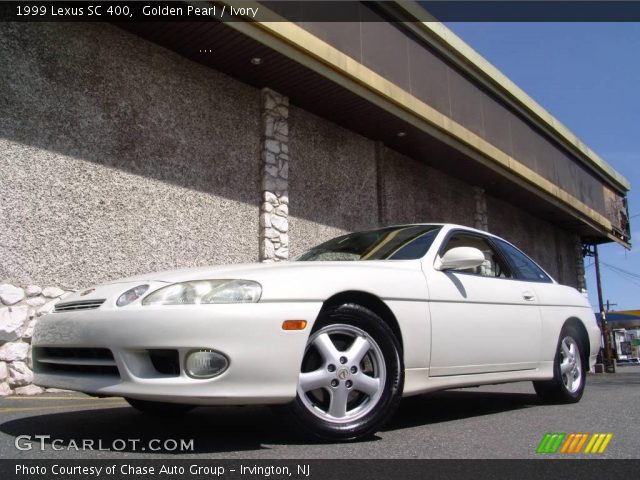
351	376
567	385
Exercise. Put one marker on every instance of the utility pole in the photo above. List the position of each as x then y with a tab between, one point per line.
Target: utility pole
609	305
609	364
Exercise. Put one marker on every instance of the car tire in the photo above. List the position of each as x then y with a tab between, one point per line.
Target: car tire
159	408
351	377
569	375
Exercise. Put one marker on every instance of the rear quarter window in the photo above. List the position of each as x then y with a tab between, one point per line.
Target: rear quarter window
526	269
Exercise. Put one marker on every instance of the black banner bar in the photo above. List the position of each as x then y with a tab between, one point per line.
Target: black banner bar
319	11
317	469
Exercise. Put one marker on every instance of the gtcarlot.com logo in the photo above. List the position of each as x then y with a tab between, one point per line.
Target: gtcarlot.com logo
44	442
574	443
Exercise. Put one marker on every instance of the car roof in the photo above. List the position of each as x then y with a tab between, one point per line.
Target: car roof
450	225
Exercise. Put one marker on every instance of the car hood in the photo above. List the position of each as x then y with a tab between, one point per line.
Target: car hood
258	271
243	270
289	280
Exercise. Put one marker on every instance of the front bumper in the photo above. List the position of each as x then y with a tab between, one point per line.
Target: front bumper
264	360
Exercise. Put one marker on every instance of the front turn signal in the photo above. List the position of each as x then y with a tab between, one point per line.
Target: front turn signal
294	324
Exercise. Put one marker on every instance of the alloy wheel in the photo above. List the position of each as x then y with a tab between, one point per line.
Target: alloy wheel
570	364
343	374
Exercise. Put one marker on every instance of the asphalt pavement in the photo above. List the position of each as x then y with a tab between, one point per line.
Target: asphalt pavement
501	421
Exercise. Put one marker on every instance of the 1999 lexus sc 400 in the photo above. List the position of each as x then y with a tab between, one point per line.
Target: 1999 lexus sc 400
339	335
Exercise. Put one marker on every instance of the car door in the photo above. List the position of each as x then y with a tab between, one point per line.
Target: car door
484	319
557	302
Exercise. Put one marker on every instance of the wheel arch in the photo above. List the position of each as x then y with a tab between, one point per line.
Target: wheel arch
369	301
578	325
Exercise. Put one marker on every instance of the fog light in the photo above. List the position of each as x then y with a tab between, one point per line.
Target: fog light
205	364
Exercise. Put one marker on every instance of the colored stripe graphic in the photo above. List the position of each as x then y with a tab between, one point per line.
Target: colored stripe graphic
598	443
567	443
581	442
577	441
543	443
607	439
552	442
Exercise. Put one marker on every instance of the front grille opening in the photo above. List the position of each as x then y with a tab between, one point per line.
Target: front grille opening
98	361
78	305
166	362
89	353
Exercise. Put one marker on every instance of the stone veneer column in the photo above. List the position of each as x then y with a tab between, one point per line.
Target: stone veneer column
19	310
481	215
274	208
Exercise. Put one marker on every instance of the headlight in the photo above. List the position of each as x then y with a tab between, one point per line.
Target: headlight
205	292
131	295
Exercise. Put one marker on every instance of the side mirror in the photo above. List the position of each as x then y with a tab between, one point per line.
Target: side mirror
460	258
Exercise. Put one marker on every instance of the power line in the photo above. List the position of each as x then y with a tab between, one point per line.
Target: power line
628	279
621	270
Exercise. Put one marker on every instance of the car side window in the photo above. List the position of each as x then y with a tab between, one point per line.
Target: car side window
493	265
526	269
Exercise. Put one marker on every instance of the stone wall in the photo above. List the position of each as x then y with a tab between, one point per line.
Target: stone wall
19	310
119	157
417	193
274	209
332	181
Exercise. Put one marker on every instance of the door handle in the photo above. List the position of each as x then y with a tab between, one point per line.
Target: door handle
528	296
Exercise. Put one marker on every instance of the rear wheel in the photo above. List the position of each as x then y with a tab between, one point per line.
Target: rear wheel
159	408
567	385
351	377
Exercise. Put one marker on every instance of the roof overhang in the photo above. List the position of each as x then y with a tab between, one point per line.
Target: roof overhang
466	58
324	80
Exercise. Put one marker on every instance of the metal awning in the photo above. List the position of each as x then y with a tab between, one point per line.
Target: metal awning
297	64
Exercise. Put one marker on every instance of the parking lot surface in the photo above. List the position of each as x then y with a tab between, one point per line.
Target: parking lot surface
501	421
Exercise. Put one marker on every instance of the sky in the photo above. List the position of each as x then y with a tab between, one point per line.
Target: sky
587	75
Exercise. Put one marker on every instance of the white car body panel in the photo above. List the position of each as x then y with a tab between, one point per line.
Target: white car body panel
456	329
557	304
261	369
484	321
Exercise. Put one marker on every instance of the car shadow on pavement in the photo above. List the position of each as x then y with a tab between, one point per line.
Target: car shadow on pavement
223	429
237	429
455	405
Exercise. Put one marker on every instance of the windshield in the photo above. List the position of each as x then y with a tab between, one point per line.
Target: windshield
392	243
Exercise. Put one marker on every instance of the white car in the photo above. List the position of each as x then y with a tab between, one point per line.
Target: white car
339	336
